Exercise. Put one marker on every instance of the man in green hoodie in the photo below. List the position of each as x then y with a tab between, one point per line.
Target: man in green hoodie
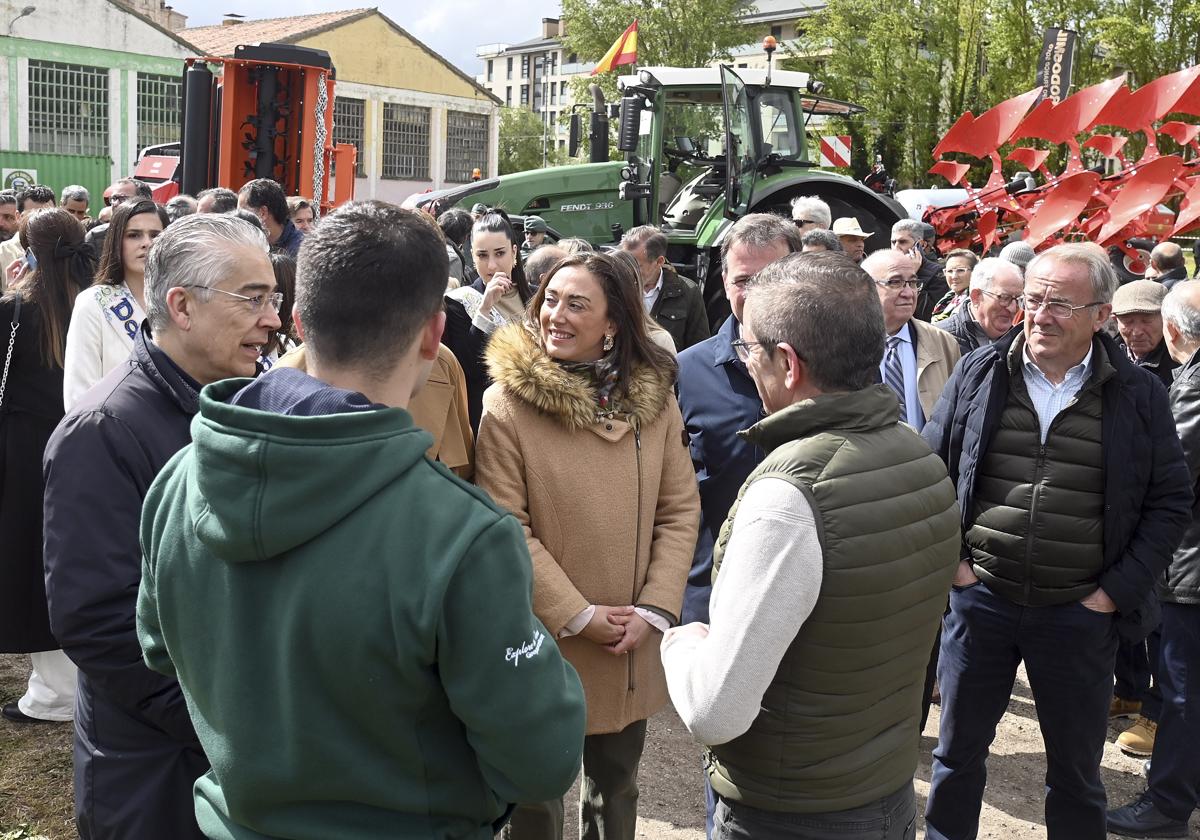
351	624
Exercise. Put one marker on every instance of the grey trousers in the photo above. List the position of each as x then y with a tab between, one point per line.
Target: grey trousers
608	794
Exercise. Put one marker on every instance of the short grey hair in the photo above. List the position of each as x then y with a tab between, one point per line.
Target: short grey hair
985	272
180	206
75	192
761	230
825	238
1092	257
647	236
194	251
811	207
1178	308
826	308
917	229
539	263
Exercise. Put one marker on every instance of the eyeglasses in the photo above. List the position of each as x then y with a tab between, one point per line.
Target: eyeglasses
256	303
1056	309
956	271
896	284
742	347
1003	299
117	198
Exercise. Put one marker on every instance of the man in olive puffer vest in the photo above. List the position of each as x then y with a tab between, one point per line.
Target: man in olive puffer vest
1074	493
830	577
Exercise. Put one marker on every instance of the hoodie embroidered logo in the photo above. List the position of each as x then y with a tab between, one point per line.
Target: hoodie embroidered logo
528	650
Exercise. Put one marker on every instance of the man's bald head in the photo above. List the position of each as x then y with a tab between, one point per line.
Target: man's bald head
539	263
887	262
1166	256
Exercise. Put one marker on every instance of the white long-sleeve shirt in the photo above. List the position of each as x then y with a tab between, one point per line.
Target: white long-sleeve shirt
768	585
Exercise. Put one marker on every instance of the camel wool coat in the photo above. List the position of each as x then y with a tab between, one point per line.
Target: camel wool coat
609	508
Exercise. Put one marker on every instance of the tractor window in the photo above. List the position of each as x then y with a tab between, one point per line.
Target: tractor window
778	115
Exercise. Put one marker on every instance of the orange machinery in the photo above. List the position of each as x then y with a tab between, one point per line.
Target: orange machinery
268	113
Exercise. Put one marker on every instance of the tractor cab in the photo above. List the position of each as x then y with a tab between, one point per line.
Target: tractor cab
701	139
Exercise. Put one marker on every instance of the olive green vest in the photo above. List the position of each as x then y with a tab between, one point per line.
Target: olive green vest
1054	490
838	727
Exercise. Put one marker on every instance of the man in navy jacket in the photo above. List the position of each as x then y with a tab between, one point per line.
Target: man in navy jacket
1074	493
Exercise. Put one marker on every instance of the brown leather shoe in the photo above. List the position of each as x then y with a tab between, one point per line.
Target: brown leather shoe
1122	708
1138	740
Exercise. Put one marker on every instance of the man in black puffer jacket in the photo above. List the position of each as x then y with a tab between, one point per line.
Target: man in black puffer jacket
1174	789
1074	493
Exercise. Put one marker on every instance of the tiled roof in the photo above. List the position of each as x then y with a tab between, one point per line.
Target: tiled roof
221	40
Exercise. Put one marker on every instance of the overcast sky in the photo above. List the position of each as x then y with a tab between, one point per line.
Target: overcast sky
453	28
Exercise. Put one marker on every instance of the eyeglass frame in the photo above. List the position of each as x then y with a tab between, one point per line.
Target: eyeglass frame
916	284
116	200
999	298
1048	303
956	271
274	299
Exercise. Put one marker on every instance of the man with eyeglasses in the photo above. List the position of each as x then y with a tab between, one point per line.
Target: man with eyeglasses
211	305
1074	493
991	308
918	357
908	235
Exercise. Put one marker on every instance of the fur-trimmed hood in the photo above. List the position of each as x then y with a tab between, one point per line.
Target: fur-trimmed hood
517	361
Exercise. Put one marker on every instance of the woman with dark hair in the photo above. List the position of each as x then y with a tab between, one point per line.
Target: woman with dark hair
498	296
285	338
108	315
31	404
583	441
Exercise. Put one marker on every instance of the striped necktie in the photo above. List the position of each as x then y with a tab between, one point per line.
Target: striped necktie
893	372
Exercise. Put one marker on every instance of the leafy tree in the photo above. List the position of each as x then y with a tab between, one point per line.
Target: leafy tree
521	134
671	33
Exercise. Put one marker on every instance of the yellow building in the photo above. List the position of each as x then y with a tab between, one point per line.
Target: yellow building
418	122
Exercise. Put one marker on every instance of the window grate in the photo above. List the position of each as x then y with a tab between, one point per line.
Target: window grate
68	108
158	109
405	142
466	145
349	117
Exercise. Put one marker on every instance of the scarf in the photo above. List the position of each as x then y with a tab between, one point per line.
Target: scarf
603	375
510	307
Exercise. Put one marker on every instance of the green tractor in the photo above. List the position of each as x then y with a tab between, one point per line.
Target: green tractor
705	146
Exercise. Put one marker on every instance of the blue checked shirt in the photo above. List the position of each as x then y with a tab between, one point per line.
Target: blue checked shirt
1050	399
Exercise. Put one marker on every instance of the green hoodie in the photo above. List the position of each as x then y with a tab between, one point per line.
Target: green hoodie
353	630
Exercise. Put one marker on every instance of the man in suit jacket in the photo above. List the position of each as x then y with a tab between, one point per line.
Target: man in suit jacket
918	357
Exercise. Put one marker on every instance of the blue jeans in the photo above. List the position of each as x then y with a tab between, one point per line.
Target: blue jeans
893	817
1175	768
1069	652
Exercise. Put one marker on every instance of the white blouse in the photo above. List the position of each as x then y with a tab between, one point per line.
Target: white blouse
104	323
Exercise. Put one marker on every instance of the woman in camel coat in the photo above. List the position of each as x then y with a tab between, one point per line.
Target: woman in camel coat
582	440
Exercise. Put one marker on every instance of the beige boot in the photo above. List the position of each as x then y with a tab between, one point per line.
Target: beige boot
1138	740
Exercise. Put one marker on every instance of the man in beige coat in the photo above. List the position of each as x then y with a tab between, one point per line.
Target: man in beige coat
918	358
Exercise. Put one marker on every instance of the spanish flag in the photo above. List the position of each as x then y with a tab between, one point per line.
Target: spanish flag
624	51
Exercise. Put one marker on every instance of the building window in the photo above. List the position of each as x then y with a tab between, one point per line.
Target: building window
466	145
510	69
405	142
158	109
525	95
553	91
525	66
489	72
349	117
68	108
777	32
562	89
508	96
572	59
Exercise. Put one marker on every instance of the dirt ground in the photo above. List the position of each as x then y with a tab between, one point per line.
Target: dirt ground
35	774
